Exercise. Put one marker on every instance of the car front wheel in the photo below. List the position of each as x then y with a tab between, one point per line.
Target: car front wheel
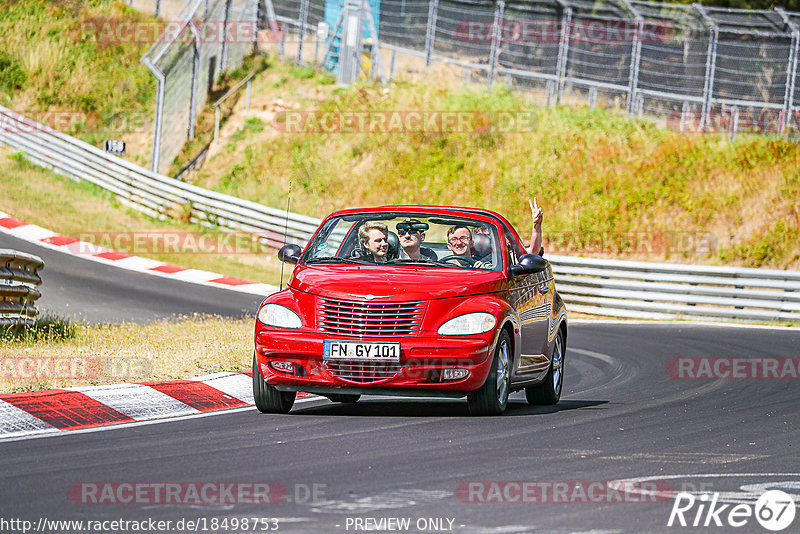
492	397
267	398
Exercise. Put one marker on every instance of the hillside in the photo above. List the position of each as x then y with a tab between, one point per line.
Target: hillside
610	186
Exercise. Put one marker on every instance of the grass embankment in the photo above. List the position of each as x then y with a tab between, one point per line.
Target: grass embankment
57	66
86	212
121	353
610	186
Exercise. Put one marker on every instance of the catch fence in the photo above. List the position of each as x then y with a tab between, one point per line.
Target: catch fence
700	69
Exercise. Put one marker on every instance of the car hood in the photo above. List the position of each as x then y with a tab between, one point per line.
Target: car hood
393	284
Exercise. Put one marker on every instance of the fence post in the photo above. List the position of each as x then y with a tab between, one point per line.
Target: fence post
223	61
563	52
302	30
734	123
684	112
636	54
499	10
430	35
791	70
391	64
711	61
159	118
195	71
592	97
158	9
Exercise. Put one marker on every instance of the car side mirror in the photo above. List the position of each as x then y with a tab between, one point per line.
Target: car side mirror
290	253
529	264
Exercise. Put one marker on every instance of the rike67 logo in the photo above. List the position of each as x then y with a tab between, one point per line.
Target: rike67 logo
774	510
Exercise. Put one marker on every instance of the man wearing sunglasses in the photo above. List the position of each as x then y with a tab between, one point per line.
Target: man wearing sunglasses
412	234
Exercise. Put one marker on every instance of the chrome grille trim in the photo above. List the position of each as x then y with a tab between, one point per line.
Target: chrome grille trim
363	372
370	319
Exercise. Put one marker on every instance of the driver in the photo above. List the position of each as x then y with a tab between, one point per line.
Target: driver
412	234
374	237
459	241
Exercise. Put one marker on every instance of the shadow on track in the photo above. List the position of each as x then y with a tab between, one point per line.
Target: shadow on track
434	408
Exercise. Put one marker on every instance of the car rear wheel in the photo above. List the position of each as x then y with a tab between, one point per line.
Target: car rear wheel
548	391
344	397
492	397
267	398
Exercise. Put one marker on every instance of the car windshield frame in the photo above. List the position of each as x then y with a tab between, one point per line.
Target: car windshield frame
337	238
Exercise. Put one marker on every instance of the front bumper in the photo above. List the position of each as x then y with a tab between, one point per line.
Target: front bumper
419	372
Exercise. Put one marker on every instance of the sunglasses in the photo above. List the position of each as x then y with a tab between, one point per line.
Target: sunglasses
410	232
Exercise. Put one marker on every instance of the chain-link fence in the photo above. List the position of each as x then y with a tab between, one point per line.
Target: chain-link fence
697	68
205	38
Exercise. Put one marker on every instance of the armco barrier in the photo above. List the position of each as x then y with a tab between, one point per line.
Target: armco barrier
668	291
19	277
594	286
152	193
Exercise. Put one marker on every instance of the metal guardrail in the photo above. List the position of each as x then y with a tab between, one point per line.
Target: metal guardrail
589	285
152	193
19	277
668	291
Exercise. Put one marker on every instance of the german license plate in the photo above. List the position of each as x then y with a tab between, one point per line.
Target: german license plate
355	350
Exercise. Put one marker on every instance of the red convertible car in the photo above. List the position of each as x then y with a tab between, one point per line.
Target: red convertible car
412	301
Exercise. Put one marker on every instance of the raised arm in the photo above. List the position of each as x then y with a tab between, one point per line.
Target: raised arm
536	229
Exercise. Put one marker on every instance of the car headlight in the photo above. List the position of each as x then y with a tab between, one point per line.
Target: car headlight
469	323
279	316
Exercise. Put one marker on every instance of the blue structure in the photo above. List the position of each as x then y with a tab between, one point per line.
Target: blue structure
333	8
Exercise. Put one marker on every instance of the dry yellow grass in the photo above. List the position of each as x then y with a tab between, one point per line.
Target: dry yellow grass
120	353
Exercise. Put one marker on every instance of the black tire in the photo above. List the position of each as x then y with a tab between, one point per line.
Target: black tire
548	391
346	398
267	398
492	397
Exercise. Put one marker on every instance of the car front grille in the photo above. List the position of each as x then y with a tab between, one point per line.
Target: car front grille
365	319
363	372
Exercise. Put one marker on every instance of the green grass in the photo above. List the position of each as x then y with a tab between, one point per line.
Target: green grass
46	328
609	185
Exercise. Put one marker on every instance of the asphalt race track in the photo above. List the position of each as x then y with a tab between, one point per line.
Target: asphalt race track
97	293
371	466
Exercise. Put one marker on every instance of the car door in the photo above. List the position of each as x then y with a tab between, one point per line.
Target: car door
530	294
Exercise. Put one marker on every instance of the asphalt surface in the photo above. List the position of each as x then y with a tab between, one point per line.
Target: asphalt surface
621	417
97	293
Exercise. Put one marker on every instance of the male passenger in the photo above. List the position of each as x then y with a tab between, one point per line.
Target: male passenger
412	234
374	238
459	241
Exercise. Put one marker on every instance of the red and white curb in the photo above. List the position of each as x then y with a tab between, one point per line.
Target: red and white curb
54	411
46	238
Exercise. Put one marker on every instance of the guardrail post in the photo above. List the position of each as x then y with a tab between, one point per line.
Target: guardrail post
302	30
430	35
499	10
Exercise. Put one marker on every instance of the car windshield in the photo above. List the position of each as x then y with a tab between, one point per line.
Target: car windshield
406	239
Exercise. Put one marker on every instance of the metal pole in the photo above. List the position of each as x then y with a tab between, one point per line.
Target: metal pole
684	112
391	64
563	52
302	30
430	36
216	123
711	60
159	118
734	123
499	10
195	75
158	9
791	69
249	83
223	63
592	97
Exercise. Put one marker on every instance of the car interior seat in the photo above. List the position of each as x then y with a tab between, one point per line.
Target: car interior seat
481	245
